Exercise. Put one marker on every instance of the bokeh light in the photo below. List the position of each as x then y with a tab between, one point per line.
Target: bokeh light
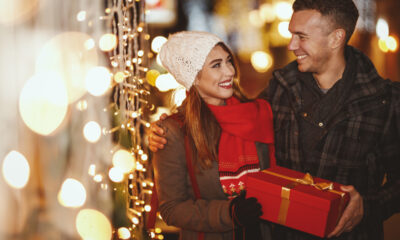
179	96
89	44
261	61
98	178
119	77
124	233
283	10
157	43
43	102
391	43
93	225
151	76
116	174
147	208
123	160
255	19
144	157
108	42
71	54
92	170
283	29
81	16
166	82
267	13
16	169
82	105
72	193
382	28
135	220
98	81
382	45
92	131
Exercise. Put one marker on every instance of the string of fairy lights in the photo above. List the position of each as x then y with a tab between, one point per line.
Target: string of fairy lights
130	100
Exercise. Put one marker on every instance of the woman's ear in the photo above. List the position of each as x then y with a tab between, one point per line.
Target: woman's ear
197	79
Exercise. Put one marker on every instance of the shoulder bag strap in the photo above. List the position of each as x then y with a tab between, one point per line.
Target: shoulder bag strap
192	176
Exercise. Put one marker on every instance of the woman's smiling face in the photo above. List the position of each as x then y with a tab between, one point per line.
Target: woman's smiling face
215	81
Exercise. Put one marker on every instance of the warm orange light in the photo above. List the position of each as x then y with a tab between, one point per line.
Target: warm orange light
124	160
108	42
70	54
92	224
124	233
16	170
382	45
116	174
151	76
43	109
72	193
157	43
92	131
261	61
98	81
391	43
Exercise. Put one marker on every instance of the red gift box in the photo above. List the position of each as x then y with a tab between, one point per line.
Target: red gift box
298	201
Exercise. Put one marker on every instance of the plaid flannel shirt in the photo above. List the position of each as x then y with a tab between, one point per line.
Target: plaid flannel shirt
360	145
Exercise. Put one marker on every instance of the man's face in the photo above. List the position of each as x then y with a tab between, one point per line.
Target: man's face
310	40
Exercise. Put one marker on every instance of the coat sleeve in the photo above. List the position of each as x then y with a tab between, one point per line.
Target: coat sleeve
385	203
178	207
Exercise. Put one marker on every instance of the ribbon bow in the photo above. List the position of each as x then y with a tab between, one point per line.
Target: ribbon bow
308	180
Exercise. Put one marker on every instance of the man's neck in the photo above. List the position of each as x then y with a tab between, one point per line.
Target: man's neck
332	74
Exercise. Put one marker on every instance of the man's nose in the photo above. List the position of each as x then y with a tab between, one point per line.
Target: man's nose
293	44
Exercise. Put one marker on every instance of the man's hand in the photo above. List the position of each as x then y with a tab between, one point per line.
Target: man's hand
155	135
353	213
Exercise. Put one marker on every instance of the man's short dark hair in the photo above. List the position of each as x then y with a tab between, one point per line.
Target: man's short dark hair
344	13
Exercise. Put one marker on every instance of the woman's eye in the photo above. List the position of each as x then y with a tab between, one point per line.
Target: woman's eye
217	65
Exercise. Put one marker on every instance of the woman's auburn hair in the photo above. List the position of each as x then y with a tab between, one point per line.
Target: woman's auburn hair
200	124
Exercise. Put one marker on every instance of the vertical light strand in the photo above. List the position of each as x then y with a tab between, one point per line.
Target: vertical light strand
130	98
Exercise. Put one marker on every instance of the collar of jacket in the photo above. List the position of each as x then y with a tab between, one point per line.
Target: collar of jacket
366	84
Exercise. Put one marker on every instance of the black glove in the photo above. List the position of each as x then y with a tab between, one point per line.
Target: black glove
245	212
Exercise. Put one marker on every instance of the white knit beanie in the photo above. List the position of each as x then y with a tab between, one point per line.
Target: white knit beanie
185	53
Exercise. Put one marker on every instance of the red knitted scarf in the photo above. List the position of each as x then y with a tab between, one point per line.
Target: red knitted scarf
242	125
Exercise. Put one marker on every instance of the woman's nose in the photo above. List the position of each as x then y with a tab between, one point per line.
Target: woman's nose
230	70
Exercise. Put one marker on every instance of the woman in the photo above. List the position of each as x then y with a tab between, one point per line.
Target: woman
216	139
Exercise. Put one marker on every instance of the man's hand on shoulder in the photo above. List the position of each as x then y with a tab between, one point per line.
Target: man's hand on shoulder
156	135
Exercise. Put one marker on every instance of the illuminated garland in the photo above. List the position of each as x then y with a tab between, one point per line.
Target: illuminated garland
128	60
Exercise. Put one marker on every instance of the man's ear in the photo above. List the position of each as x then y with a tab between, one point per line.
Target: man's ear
338	38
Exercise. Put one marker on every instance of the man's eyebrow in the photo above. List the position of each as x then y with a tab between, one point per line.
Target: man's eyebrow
300	33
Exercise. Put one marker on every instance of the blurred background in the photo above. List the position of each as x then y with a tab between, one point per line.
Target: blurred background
80	81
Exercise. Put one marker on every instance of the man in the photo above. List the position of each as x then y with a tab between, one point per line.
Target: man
336	118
